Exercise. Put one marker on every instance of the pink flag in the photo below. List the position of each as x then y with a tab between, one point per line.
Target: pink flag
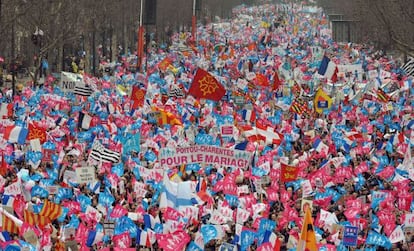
80	234
118	211
174	241
171	214
122	240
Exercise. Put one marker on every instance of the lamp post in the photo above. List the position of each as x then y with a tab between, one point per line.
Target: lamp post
37	40
13	67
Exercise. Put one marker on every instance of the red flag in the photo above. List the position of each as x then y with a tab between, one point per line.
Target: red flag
35	132
206	86
138	96
334	77
288	173
276	82
4	167
261	80
278	245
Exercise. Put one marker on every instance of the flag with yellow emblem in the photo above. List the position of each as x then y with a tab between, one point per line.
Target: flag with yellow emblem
205	86
35	132
322	101
138	96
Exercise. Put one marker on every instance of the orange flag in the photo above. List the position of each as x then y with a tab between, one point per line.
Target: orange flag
205	86
166	117
307	240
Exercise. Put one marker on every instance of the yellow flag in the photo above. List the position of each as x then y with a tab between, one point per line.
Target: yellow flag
307	240
322	101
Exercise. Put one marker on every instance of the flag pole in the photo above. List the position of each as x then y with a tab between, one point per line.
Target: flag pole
140	45
194	23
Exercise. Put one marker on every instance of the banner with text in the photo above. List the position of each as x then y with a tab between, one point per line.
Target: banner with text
204	154
68	81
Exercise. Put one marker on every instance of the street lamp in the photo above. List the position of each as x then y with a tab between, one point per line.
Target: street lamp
37	40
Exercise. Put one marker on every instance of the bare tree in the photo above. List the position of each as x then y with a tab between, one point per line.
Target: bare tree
388	24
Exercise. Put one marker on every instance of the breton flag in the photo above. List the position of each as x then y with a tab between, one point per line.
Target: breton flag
82	89
100	153
408	67
307	240
328	69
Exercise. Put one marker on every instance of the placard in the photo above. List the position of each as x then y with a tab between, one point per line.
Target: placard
52	189
85	174
109	227
13	189
350	236
227	130
409	220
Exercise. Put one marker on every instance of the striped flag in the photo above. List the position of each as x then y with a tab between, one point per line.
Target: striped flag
84	121
408	67
299	107
51	210
9	225
382	96
248	115
82	90
100	153
35	219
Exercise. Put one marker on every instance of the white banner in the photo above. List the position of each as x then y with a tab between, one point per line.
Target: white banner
204	154
68	81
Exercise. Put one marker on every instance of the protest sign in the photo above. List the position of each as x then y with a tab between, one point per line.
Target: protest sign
69	81
85	174
204	154
350	236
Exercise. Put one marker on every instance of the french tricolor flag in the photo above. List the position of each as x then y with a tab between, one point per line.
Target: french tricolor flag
328	69
248	115
15	134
